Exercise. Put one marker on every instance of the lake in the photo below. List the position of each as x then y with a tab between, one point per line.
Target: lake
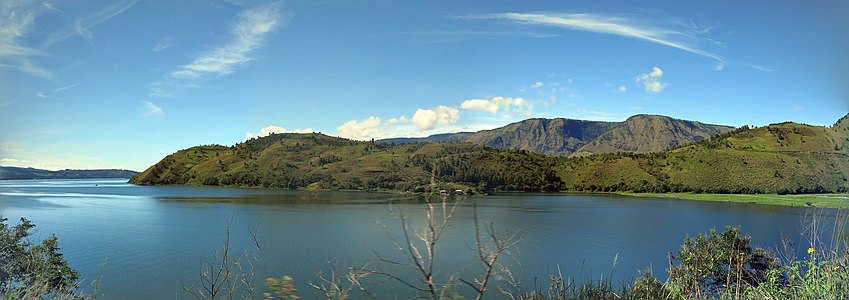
152	238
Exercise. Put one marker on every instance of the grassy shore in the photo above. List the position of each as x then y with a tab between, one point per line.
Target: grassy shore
808	200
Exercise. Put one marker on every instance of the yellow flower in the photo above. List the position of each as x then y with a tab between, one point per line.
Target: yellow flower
810	250
836	268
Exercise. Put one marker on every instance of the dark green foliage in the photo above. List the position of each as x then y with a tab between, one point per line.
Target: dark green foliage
715	263
648	287
30	270
7	173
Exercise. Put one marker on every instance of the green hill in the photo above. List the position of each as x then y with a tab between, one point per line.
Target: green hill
649	133
779	158
321	161
32	173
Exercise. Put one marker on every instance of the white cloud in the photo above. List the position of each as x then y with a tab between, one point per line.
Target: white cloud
359	130
622	88
426	119
537	85
152	110
271	129
248	34
679	38
651	81
507	104
401	119
40	95
11	162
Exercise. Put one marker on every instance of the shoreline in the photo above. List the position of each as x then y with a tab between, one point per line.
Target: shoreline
840	201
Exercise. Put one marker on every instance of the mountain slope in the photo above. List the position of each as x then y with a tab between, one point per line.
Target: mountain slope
31	173
650	133
320	161
555	137
565	137
842	126
443	137
779	158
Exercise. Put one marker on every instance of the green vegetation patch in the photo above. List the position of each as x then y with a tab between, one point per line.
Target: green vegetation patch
809	200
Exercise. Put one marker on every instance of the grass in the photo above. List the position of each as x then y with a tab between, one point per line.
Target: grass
806	200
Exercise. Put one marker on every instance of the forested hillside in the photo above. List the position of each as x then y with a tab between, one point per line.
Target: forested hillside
321	161
779	158
31	173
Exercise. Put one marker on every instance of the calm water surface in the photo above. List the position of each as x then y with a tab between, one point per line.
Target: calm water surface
151	238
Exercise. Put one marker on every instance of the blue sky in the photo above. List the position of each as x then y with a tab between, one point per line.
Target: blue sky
121	84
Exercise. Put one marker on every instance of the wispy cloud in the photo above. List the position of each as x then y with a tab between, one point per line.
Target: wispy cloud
759	68
149	109
248	34
458	36
64	88
680	38
7	103
586	114
51	7
16	20
165	43
82	26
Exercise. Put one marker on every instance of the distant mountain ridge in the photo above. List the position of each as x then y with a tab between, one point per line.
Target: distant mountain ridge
569	137
651	133
9	173
443	137
554	137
